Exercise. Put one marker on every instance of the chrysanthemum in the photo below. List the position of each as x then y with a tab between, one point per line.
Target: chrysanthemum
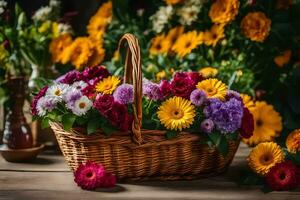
214	35
224	11
79	85
248	101
198	97
108	85
159	45
265	156
124	94
213	88
293	141
57	90
186	43
58	45
208	72
284	176
176	113
89	176
82	105
174	33
267	123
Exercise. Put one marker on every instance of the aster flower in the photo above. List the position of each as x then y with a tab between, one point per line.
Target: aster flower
124	94
283	176
226	116
79	85
45	104
41	93
71	96
207	126
89	176
82	105
152	90
198	97
58	91
233	94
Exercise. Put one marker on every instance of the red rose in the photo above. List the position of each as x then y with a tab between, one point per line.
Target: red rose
182	85
247	126
104	103
99	72
118	116
196	77
283	176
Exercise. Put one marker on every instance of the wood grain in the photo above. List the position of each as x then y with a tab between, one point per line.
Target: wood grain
50	179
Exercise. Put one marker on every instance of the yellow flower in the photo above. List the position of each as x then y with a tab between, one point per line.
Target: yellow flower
79	52
208	72
173	2
284	4
160	75
267	123
96	57
214	35
256	26
105	11
213	88
108	85
265	156
176	113
293	141
55	29
58	45
174	33
159	45
96	27
224	11
44	27
283	59
248	101
186	43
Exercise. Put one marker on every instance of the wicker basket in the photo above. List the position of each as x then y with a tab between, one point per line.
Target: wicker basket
142	154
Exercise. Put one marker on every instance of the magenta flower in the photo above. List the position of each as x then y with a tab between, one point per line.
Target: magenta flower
35	100
109	181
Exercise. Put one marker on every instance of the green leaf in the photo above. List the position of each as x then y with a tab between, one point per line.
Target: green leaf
45	123
108	130
68	121
171	134
223	146
93	125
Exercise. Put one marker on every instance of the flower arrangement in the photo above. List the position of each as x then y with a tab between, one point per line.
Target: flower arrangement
94	99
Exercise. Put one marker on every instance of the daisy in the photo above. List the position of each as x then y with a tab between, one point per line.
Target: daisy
58	91
82	105
45	104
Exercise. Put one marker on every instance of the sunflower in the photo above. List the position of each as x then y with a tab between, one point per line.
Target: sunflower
283	58
58	45
208	72
256	26
174	33
213	88
293	141
96	27
159	45
224	11
267	123
214	35
108	85
186	43
176	113
105	11
248	101
265	156
79	52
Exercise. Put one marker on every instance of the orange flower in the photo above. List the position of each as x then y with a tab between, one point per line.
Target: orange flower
174	33
293	141
224	11
214	35
256	26
173	2
283	4
283	58
58	45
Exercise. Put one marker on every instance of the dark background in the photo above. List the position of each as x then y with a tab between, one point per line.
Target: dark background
83	10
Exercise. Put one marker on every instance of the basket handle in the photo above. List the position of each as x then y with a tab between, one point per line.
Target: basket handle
133	73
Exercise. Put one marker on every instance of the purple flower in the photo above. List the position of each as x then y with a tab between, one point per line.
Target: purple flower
207	126
152	90
45	104
227	116
198	97
70	77
233	94
71	96
124	94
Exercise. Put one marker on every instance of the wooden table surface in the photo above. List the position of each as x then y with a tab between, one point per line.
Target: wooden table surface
50	178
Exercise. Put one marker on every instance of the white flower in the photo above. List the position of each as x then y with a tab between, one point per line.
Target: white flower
188	14
3	5
64	28
58	91
161	18
79	85
54	3
45	104
82	105
42	14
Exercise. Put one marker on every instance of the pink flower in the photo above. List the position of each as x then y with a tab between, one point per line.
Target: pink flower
89	176
109	181
41	93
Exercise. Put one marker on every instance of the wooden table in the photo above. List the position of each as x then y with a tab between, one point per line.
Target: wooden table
50	178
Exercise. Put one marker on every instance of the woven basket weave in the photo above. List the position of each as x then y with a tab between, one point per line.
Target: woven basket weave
142	154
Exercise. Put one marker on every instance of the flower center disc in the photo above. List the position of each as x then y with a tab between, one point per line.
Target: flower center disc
177	114
57	92
266	159
82	105
259	123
